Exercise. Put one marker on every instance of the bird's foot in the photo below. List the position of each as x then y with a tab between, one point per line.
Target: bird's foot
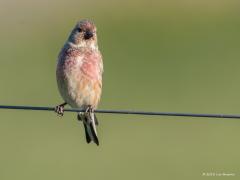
60	109
89	109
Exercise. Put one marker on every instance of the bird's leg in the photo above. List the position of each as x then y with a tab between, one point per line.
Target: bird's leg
60	109
89	111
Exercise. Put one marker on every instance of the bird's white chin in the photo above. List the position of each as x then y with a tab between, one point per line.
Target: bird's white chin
85	44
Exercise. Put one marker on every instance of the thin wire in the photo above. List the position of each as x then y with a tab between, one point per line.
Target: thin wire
37	108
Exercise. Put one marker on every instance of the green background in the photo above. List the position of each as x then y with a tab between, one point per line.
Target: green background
180	56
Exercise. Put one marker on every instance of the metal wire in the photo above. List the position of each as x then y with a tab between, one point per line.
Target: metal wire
37	108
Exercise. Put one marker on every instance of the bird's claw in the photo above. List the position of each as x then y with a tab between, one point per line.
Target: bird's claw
59	110
89	109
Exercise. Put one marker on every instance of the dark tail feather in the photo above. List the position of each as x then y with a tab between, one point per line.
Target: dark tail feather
95	138
90	129
88	138
96	120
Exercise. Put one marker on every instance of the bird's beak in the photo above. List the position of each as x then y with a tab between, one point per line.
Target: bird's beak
88	34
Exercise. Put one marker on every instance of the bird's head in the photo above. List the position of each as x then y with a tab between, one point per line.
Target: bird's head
84	34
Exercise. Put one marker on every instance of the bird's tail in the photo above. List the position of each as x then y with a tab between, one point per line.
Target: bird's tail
90	122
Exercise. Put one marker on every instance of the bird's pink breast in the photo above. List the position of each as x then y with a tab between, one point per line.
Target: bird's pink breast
79	77
90	66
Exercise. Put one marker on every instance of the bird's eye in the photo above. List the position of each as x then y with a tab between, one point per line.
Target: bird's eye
79	29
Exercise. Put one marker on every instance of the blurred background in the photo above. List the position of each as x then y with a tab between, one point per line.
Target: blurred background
180	56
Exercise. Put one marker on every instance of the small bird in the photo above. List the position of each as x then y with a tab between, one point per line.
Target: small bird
79	76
